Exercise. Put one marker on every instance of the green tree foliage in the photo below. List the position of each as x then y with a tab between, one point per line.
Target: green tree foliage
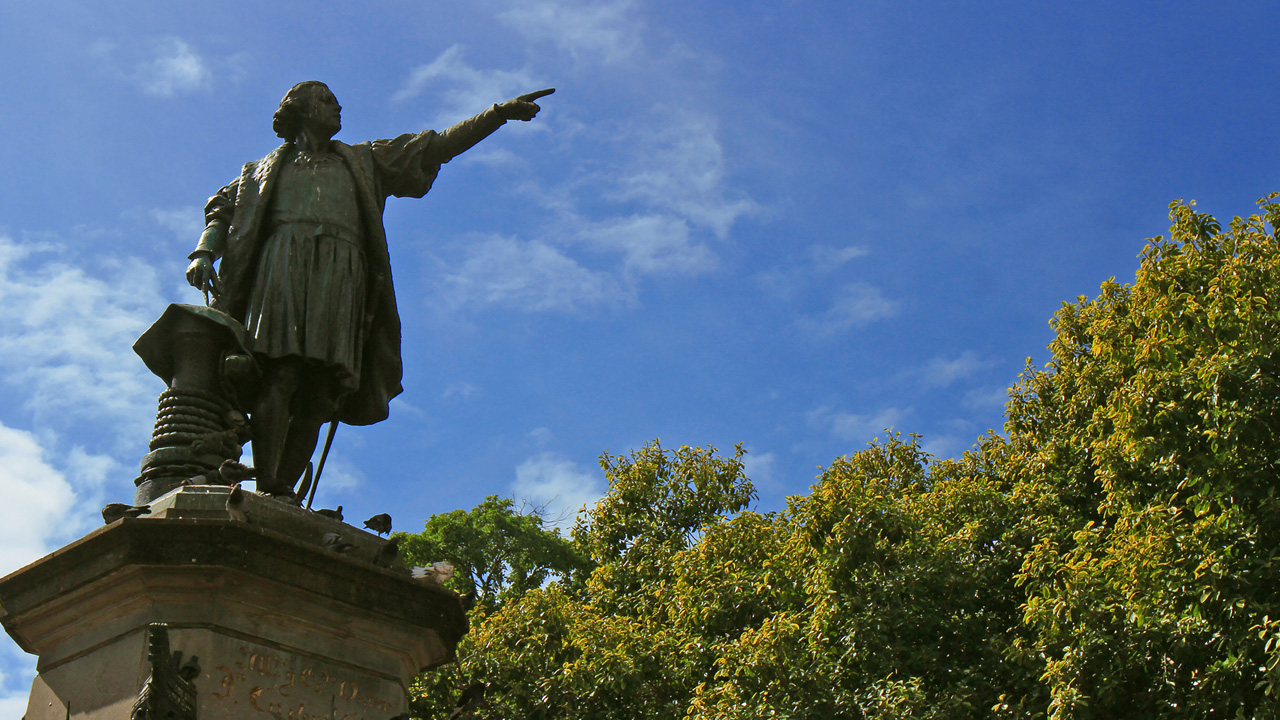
895	598
1147	451
888	592
498	554
497	551
1115	554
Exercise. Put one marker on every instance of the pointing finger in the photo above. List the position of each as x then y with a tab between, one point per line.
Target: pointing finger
530	97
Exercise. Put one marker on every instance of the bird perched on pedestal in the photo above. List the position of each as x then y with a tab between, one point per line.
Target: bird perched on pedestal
335	514
335	542
235	504
235	472
114	511
380	523
437	573
388	553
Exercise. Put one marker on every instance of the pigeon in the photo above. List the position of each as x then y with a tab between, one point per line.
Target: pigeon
235	504
235	471
335	542
240	424
380	524
114	511
210	478
437	573
387	553
335	514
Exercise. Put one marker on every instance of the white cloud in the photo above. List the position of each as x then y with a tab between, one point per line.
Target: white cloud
37	500
945	446
678	166
853	427
587	31
551	480
340	476
530	276
463	89
15	704
541	435
760	468
651	245
186	223
986	398
858	304
66	337
942	372
826	257
663	182
17	668
176	69
460	388
789	280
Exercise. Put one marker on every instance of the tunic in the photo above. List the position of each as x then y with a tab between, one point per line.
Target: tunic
308	294
241	231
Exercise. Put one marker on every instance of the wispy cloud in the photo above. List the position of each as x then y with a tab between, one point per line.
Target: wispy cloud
176	69
66	338
761	468
649	244
558	484
186	223
463	89
826	258
855	427
856	305
942	372
165	67
340	475
530	276
653	199
945	446
986	398
589	31
461	389
678	166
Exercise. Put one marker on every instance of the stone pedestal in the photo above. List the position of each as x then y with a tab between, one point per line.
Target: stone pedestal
282	627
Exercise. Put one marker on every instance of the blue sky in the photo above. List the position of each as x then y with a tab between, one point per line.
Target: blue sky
787	224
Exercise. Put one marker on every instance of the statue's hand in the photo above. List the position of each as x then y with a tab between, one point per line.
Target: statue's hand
523	107
202	276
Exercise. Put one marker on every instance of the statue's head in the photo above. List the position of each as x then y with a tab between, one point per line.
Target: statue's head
307	102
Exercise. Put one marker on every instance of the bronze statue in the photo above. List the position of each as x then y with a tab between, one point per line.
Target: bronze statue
304	266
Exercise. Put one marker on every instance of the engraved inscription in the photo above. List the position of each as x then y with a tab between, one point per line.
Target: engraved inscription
269	683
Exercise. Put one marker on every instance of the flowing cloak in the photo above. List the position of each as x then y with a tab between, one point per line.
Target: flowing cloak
405	166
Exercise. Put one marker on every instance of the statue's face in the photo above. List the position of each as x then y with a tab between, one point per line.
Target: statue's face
324	114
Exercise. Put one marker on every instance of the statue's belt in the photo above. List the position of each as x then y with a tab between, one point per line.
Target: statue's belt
302	229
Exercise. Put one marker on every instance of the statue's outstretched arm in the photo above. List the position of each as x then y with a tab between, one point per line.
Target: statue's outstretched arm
462	137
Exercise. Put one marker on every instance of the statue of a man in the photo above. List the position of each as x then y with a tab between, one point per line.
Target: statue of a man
305	267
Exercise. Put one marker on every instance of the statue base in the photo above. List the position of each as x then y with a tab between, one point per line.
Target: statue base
281	626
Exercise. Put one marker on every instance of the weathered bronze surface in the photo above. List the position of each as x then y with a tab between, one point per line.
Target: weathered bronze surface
168	693
303	264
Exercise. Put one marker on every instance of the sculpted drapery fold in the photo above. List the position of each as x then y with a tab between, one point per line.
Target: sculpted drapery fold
236	231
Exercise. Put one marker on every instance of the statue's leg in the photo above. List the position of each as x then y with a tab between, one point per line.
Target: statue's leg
270	420
313	406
